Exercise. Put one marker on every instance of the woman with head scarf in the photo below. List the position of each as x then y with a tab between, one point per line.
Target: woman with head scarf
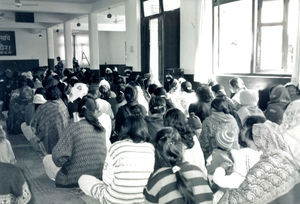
275	178
279	100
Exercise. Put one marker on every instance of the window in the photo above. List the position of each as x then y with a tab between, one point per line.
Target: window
158	7
171	5
254	36
151	7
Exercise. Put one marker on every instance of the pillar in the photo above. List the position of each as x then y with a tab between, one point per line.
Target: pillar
94	41
133	34
68	45
50	47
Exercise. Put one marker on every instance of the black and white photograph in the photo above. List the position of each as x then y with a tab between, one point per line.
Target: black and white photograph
149	101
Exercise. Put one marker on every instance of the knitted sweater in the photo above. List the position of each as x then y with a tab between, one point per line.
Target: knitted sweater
80	150
127	168
50	120
13	187
162	188
211	125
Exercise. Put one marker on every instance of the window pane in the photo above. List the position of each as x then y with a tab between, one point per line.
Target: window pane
271	48
151	7
171	4
272	11
235	39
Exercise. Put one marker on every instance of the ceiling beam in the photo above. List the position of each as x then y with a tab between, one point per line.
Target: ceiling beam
47	7
12	24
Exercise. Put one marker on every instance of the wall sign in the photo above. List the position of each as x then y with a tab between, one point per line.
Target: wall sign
7	43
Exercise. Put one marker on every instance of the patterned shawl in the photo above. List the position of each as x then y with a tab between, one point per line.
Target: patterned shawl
273	176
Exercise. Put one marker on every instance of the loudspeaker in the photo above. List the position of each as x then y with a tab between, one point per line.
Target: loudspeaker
22	17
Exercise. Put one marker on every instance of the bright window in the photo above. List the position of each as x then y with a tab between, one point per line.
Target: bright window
171	4
254	36
151	7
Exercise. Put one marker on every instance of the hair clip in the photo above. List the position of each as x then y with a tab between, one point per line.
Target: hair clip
175	169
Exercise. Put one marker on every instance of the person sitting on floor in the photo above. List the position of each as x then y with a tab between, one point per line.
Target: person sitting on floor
13	186
279	100
6	153
51	119
178	181
155	121
192	151
218	120
128	165
80	150
202	107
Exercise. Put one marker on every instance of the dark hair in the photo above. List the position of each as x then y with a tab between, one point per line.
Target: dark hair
175	118
104	92
134	128
94	90
152	88
160	91
216	88
169	147
41	91
53	93
250	121
204	94
220	105
233	82
86	108
130	94
157	105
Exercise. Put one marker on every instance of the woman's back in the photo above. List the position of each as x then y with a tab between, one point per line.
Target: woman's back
51	117
162	186
128	167
86	150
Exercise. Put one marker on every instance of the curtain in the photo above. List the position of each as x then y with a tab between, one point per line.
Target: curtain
296	65
203	66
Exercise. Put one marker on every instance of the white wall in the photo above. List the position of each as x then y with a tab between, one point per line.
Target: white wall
29	46
112	47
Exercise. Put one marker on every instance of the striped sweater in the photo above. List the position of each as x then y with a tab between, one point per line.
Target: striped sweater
126	171
161	187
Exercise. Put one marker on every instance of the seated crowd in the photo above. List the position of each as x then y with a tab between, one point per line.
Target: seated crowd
130	140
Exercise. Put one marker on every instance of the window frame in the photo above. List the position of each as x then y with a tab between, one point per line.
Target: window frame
256	42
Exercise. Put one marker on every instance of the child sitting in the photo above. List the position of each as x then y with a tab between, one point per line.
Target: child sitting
220	156
244	159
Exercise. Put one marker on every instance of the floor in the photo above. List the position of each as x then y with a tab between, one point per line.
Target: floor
42	188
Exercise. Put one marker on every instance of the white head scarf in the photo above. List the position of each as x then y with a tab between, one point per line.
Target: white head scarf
291	129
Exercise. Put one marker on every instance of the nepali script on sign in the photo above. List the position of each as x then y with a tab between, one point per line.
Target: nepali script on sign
7	43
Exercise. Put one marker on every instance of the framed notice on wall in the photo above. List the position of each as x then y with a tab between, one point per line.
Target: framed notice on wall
7	43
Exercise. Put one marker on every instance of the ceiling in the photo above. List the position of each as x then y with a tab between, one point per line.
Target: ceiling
70	1
53	13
